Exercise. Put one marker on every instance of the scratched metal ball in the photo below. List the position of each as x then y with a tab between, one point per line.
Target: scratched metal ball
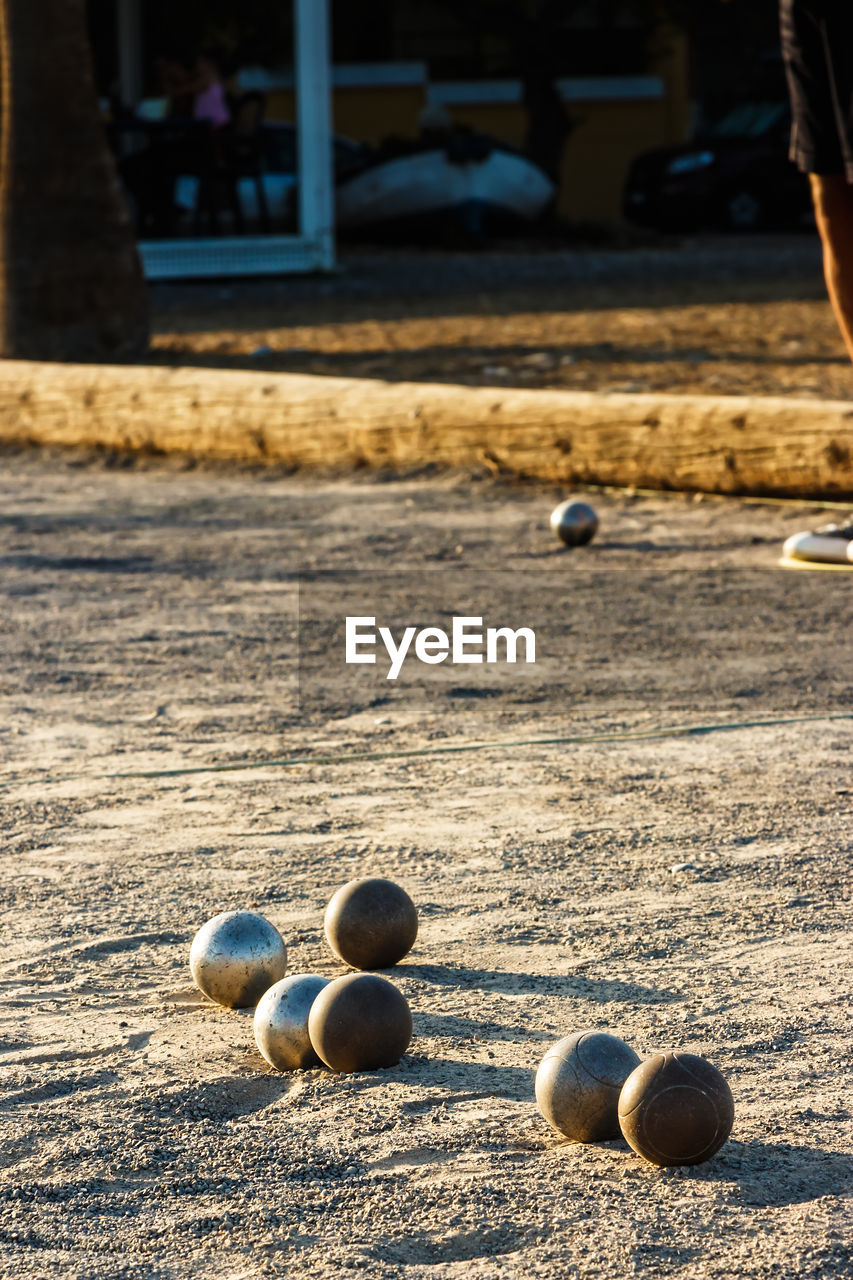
574	523
371	924
236	957
676	1108
281	1021
578	1083
360	1022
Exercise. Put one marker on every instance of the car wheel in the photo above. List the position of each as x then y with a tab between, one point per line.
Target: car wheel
743	210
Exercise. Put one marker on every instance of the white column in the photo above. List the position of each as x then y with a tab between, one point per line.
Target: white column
314	125
129	25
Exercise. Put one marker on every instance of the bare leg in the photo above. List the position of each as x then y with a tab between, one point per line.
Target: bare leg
833	202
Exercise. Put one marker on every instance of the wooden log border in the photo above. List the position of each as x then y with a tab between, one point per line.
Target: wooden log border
715	444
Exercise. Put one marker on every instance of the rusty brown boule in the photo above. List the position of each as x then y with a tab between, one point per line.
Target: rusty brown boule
675	1109
360	1022
371	924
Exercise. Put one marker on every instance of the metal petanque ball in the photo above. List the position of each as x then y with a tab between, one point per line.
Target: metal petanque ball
236	957
281	1021
574	523
371	924
676	1108
359	1023
578	1084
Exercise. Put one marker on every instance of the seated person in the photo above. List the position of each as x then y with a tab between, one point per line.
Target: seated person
209	100
195	95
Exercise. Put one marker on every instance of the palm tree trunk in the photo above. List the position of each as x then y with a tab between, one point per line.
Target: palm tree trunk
71	284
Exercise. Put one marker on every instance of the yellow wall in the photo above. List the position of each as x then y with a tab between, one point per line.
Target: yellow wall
365	114
370	116
280	104
599	153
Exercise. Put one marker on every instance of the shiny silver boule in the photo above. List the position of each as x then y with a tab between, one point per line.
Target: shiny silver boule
281	1021
236	957
578	1084
574	523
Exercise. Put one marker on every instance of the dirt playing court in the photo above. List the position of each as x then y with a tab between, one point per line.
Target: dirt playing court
722	315
680	890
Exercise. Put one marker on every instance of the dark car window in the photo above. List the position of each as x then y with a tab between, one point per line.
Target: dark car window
751	120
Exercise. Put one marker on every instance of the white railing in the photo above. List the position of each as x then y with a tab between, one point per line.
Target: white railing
313	248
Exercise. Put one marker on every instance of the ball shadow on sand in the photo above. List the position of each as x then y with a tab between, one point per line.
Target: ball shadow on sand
773	1174
484	1029
508	983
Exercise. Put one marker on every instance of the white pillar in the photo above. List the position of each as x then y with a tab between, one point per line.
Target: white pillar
129	25
314	126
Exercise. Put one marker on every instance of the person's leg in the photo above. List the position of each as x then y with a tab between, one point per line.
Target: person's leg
817	38
833	202
817	41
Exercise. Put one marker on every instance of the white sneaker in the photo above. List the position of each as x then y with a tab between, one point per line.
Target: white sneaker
831	544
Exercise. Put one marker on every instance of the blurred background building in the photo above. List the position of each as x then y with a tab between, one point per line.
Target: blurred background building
582	86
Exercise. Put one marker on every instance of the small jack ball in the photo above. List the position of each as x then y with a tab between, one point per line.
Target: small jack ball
578	1084
676	1108
281	1021
574	523
359	1023
371	924
236	957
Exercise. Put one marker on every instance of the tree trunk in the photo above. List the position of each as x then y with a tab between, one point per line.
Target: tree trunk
71	284
548	122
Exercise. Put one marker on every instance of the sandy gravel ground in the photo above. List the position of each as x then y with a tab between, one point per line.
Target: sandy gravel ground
688	891
721	315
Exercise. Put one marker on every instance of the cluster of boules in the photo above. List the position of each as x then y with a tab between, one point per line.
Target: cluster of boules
674	1108
357	1022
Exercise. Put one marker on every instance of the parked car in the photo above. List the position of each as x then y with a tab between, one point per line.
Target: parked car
736	175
